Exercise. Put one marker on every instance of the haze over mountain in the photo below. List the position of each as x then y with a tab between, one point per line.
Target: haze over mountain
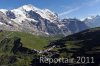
29	18
93	21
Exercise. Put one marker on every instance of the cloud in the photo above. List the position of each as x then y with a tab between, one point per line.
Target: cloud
68	11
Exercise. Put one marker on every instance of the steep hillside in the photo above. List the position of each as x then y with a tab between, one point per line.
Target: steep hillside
13	53
19	49
30	41
83	44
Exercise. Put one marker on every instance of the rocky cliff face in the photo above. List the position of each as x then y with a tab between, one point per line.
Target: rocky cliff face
70	26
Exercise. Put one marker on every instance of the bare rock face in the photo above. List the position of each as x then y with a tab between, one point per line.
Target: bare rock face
73	26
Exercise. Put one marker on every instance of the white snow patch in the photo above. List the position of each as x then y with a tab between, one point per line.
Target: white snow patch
46	33
61	25
3	10
1	23
44	13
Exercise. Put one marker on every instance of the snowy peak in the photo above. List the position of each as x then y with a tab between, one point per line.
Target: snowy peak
51	15
92	17
93	21
44	13
97	16
3	10
28	8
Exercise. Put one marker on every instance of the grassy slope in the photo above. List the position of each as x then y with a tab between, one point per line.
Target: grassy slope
23	56
30	41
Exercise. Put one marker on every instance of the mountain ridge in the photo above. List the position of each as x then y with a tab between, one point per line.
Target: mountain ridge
37	21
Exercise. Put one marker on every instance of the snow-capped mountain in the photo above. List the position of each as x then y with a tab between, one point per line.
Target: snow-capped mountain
44	13
93	21
31	19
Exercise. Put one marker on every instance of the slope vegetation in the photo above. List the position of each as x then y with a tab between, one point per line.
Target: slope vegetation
30	41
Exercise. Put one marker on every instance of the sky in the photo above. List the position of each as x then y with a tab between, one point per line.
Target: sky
64	8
